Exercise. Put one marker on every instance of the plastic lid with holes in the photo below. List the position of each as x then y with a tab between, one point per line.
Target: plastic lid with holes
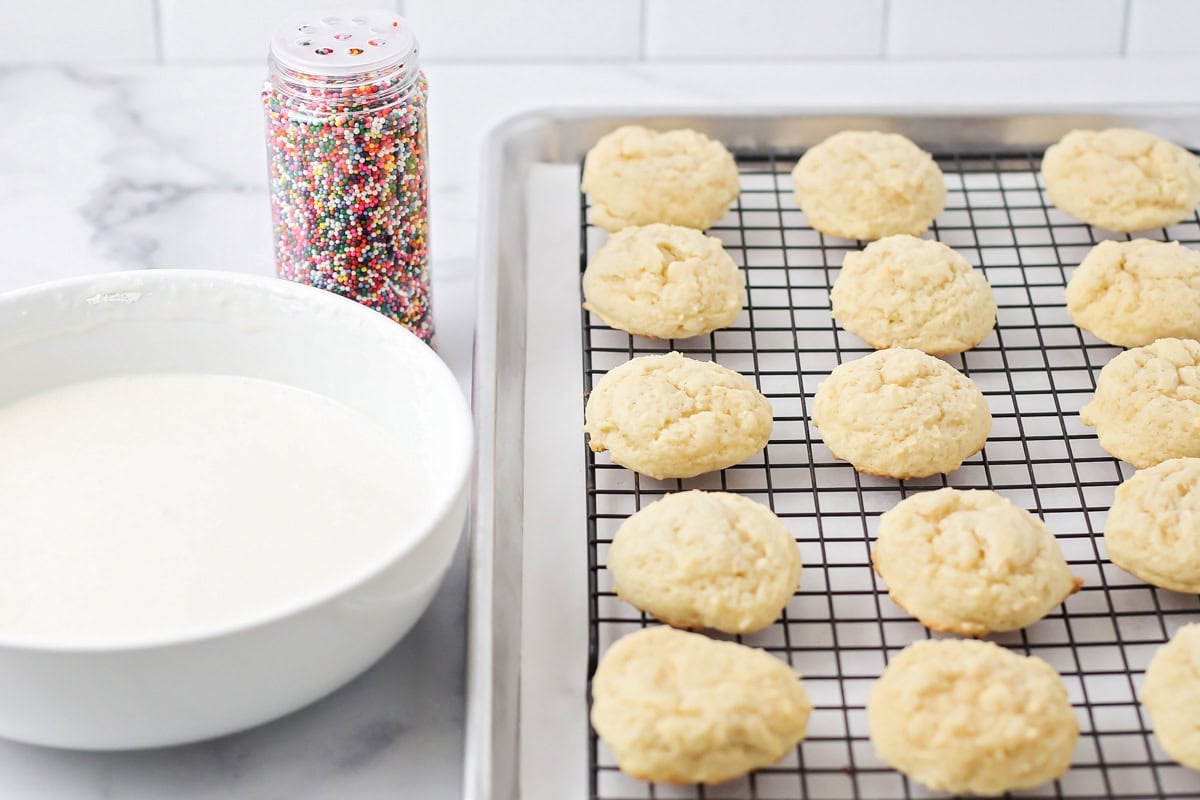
343	42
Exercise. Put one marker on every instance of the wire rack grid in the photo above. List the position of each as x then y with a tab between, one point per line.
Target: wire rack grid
1036	370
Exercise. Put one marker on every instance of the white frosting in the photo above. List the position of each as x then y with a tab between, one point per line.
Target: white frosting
161	505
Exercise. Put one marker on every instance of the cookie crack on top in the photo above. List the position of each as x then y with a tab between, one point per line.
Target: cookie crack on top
671	255
676	421
1186	388
1024	574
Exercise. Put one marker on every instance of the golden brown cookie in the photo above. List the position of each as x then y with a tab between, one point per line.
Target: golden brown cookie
1122	179
637	176
1171	693
1153	528
664	281
900	413
867	185
1132	293
902	291
970	717
679	707
706	560
670	416
970	562
1147	404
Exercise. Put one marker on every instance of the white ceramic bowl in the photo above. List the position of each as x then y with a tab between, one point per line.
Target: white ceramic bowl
153	693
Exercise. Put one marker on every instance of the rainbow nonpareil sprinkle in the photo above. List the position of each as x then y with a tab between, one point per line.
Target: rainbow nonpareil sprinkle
349	189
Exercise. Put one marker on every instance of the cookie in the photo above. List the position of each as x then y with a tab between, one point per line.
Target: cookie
706	560
663	281
901	414
637	176
902	291
678	707
1153	528
1171	693
867	185
1147	404
1132	293
970	562
969	717
670	416
1122	180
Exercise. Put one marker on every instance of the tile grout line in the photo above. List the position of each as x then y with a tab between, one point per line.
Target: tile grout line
643	32
156	16
885	22
1125	28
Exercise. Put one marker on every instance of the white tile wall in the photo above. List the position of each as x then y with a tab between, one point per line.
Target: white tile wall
1163	27
763	29
238	30
235	30
78	30
981	28
527	29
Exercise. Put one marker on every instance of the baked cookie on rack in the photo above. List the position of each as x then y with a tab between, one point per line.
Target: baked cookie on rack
664	282
1132	293
970	562
670	416
902	291
970	717
706	560
901	413
867	185
1146	409
1153	527
679	707
1122	179
1171	693
637	176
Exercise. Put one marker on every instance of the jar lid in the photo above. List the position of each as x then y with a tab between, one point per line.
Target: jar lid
343	42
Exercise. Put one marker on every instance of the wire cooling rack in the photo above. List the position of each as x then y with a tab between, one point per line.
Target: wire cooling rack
1036	370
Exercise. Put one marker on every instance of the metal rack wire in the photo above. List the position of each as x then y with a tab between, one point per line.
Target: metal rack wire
1036	370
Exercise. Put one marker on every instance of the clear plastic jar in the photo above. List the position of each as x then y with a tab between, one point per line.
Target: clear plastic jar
346	145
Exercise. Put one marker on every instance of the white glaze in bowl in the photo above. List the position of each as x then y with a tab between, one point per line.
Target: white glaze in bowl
171	690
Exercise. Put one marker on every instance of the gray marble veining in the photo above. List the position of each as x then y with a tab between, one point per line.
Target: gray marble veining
151	167
130	169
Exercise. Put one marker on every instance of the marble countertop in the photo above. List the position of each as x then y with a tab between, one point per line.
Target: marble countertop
123	168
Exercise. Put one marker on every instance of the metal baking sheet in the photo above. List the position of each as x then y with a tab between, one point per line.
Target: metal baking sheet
544	509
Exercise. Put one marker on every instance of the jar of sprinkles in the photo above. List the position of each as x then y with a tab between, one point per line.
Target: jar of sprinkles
346	145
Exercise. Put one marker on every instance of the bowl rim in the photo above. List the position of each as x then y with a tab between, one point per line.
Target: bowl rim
461	467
